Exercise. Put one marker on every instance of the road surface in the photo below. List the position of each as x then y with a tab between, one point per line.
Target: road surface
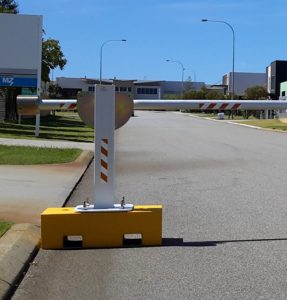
223	188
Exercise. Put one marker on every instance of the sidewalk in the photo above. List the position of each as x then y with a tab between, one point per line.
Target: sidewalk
25	192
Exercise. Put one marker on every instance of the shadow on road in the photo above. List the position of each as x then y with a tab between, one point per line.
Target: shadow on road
178	242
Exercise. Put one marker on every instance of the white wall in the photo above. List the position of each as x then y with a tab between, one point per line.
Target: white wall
21	42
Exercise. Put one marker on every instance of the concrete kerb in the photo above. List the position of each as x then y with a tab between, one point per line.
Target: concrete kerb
85	157
17	247
21	242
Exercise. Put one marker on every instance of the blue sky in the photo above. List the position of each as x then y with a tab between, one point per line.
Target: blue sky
157	30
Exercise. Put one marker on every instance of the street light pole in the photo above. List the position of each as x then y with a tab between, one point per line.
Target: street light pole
182	73
233	49
101	54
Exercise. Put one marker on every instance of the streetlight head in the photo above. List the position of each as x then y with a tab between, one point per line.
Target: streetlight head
204	20
167	60
124	40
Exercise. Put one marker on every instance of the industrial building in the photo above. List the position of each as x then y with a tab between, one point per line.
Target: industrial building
242	81
140	89
276	74
283	90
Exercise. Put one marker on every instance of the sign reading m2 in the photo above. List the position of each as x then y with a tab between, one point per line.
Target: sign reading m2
11	81
7	81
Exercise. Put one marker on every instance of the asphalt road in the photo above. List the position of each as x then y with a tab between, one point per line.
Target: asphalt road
223	188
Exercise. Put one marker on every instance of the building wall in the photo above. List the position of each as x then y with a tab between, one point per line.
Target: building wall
283	90
71	83
175	87
141	89
71	86
243	81
147	92
276	73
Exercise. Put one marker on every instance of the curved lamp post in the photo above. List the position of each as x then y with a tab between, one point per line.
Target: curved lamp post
182	72
233	48
101	54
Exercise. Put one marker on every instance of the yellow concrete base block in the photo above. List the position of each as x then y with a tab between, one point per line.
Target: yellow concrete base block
65	228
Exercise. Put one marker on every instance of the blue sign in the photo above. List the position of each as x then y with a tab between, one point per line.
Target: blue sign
15	81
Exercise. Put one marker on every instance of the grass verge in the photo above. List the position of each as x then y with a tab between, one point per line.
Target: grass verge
63	126
14	155
4	226
226	116
270	124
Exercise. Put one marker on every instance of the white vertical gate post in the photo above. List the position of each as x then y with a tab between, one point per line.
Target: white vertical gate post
104	146
104	124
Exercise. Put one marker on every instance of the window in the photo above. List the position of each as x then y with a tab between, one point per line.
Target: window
116	89
148	91
283	93
129	89
123	89
91	89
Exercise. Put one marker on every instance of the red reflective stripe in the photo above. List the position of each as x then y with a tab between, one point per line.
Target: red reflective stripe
105	141
104	151
235	106
223	106
211	105
104	164
104	177
72	106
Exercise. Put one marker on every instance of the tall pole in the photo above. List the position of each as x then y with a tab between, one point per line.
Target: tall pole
101	54
182	73
233	49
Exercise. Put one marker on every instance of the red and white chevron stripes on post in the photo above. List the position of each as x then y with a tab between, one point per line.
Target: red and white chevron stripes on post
104	160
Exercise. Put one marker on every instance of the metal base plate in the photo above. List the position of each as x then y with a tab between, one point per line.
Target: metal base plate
90	208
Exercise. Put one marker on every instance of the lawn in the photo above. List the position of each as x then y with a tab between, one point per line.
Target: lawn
20	155
63	126
4	226
271	124
226	116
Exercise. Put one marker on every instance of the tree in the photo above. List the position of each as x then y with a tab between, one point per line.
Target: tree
8	7
54	90
188	85
256	92
203	93
52	57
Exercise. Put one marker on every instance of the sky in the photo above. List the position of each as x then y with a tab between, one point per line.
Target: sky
157	30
